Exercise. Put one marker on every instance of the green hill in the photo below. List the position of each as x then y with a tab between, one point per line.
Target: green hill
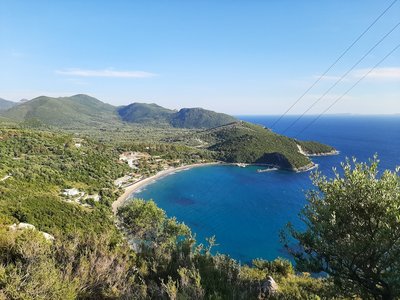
67	112
82	111
145	113
6	104
200	118
242	142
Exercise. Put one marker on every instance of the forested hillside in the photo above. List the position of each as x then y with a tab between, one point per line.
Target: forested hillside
88	257
65	112
55	247
243	142
82	111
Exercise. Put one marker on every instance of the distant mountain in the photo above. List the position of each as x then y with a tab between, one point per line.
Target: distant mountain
185	118
67	112
6	104
243	142
200	118
145	113
84	111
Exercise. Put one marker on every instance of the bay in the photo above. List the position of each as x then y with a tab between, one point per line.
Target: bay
245	209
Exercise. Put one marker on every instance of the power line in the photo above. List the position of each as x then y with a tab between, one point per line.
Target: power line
354	85
335	62
342	77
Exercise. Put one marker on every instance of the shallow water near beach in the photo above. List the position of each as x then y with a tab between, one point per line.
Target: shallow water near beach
245	209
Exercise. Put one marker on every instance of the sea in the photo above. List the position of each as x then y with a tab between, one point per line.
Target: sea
246	210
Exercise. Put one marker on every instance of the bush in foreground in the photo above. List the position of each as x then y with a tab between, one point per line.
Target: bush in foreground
353	230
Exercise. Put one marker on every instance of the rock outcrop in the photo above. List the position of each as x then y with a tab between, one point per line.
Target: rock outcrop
25	226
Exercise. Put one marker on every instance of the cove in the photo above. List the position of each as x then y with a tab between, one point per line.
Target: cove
246	210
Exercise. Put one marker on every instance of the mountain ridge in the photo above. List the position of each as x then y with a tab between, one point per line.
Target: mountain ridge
184	118
144	113
83	110
63	112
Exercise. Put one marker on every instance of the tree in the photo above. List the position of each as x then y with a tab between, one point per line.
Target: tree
353	230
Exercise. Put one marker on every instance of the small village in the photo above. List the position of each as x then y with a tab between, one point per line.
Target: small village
141	164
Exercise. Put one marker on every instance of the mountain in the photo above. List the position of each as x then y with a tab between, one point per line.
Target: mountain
243	142
200	118
66	112
185	118
6	104
84	111
145	113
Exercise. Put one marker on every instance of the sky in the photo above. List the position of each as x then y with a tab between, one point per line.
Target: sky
238	57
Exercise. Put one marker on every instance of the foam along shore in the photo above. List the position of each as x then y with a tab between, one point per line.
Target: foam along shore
145	181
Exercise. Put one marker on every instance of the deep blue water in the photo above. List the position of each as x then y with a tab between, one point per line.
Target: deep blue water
246	210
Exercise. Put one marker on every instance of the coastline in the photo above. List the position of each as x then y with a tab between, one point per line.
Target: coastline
333	152
306	168
145	181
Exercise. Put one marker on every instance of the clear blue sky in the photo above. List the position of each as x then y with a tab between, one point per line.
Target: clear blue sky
239	57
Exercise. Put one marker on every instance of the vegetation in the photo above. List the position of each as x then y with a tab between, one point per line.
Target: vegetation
226	139
145	113
314	148
65	112
243	142
167	264
352	220
89	258
79	266
175	267
38	165
185	118
82	111
153	256
353	231
200	118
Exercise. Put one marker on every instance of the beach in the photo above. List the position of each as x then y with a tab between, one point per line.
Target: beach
145	181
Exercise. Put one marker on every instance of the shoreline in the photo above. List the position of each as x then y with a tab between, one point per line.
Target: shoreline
145	181
331	153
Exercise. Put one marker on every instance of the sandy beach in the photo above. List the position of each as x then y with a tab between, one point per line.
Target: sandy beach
143	182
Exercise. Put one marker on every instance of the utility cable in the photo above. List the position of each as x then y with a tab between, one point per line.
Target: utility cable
342	77
345	93
335	62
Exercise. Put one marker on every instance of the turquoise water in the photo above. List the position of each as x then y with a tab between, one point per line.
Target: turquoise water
246	210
